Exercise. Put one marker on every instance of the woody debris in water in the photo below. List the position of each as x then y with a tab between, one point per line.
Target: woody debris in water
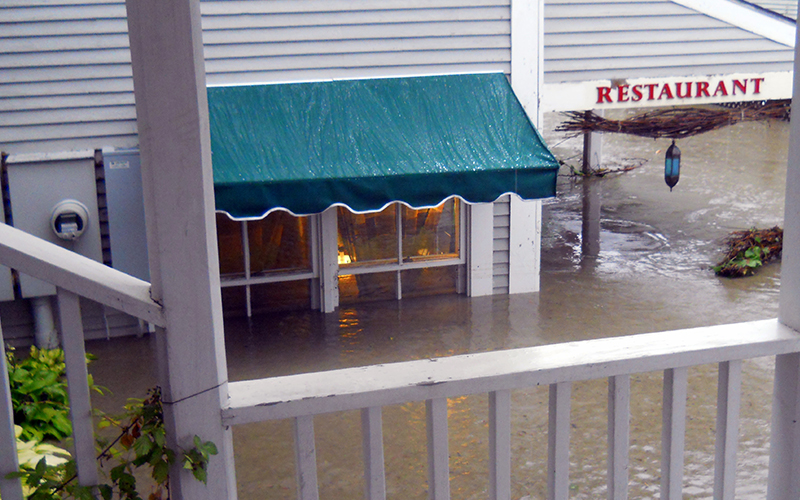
749	250
676	123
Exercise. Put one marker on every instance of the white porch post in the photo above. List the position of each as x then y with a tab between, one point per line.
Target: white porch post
527	55
172	111
525	243
527	74
784	458
479	257
592	148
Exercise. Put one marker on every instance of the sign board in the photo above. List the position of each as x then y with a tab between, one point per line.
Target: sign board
668	91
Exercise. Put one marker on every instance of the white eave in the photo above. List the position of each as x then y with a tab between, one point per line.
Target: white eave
745	17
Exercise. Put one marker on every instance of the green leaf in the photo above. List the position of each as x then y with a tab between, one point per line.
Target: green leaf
209	448
106	491
142	446
161	471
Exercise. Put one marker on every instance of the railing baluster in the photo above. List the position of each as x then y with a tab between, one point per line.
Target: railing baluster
729	397
305	458
558	442
438	456
374	469
500	445
10	489
783	482
80	406
673	421
619	417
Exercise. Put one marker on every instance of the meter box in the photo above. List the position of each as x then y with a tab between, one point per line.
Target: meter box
125	201
54	197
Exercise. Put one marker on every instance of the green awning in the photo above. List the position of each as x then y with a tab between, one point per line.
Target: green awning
303	147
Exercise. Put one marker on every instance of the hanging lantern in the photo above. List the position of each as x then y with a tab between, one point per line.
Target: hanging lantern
672	165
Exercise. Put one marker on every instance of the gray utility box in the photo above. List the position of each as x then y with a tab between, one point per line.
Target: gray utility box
126	225
37	183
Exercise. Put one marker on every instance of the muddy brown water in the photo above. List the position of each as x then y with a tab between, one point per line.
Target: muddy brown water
637	262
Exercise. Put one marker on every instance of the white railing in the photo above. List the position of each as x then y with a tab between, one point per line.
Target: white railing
368	389
74	276
300	397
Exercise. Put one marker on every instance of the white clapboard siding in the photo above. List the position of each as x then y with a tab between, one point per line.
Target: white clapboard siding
608	39
71	57
66	81
786	8
501	226
282	41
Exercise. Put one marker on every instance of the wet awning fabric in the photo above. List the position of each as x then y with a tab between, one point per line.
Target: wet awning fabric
366	143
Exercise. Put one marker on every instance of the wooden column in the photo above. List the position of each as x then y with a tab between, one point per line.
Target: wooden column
527	76
172	116
524	246
592	148
527	55
479	256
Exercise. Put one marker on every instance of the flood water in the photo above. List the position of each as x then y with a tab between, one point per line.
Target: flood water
620	255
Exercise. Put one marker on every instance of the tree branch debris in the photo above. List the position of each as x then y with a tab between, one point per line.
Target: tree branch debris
675	123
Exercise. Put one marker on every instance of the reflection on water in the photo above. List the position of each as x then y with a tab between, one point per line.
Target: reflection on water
621	255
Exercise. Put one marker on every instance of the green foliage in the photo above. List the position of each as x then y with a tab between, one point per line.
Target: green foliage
140	444
39	394
197	458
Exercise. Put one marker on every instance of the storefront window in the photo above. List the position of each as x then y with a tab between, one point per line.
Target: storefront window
430	281
367	287
372	238
430	233
229	241
367	238
279	242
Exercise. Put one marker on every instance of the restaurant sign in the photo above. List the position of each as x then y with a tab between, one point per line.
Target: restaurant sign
668	91
663	92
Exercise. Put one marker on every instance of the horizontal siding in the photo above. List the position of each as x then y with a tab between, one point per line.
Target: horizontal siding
266	17
664	71
667	49
635	24
66	79
500	233
559	40
311	6
500	284
617	10
607	39
57	102
61	13
66	64
248	42
501	229
67	116
365	60
786	8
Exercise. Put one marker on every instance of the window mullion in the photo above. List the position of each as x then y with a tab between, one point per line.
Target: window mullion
399	230
246	252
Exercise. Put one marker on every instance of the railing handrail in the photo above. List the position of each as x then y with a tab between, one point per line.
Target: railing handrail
420	380
78	274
